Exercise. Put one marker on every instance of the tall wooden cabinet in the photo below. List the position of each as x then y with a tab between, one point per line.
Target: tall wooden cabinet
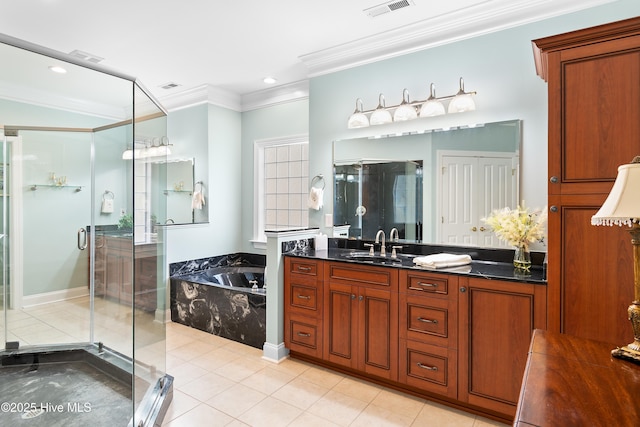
593	78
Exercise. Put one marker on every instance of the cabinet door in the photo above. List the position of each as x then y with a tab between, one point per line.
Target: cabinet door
378	332
497	320
590	275
340	324
594	100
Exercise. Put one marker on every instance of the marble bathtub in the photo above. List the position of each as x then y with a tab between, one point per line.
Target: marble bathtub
225	300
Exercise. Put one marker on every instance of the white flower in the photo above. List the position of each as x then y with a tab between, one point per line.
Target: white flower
518	227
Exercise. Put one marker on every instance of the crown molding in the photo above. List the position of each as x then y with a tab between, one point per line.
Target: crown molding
276	95
201	95
31	96
208	94
463	24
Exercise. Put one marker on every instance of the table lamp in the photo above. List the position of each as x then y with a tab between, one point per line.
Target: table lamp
622	207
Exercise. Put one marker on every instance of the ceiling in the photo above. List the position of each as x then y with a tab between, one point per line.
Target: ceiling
231	46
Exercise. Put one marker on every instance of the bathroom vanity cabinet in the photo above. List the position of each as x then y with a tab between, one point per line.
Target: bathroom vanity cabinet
115	271
451	338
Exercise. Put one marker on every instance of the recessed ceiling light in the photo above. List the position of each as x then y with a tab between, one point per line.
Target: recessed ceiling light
57	69
269	80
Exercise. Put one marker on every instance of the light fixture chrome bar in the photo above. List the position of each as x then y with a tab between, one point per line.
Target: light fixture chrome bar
459	102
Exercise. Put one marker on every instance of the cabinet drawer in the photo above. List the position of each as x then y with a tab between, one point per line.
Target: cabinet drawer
353	274
428	367
304	297
303	335
429	320
420	283
303	266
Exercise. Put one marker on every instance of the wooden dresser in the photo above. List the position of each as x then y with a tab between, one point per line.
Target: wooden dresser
571	381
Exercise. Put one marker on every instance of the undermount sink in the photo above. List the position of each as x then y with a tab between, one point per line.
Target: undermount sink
367	257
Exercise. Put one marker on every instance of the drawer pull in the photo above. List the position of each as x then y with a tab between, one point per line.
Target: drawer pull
304	296
304	334
422	319
424	285
429	368
300	268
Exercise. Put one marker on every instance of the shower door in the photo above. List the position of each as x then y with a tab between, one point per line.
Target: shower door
51	246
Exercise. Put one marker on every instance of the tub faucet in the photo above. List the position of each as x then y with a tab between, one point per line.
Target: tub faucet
394	230
383	251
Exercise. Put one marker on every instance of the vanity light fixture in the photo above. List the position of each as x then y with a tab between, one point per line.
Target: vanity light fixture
407	110
155	147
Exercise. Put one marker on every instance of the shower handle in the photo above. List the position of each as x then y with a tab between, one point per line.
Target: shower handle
82	239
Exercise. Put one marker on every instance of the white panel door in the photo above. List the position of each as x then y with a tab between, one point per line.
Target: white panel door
471	187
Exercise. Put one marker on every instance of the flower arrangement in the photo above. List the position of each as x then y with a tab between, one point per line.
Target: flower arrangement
518	227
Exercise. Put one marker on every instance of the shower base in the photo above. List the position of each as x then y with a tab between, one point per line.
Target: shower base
76	386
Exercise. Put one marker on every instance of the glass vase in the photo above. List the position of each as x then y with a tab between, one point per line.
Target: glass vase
522	259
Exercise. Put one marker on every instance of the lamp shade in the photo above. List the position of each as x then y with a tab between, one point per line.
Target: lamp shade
358	119
622	206
380	115
405	110
463	101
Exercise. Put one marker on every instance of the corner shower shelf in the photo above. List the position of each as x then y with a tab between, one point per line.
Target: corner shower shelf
78	188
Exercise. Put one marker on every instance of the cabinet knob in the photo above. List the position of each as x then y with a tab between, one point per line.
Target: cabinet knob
463	289
474	229
554	179
353	296
360	297
553	209
483	229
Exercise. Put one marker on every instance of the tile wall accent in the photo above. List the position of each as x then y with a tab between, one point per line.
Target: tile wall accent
286	184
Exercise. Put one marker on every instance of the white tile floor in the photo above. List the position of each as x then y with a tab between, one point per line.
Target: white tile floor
223	383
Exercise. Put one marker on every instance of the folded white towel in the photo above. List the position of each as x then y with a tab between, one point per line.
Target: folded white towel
315	198
442	260
197	202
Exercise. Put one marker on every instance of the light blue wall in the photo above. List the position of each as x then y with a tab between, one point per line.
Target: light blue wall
278	121
219	131
498	66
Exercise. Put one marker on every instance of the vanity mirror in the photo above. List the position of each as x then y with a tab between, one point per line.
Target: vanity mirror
179	190
433	186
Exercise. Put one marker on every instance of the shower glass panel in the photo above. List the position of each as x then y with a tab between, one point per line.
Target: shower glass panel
83	286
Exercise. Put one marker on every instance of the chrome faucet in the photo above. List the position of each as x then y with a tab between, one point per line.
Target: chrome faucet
383	251
394	230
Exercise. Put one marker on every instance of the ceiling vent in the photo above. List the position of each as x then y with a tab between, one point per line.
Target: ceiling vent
391	6
169	85
86	56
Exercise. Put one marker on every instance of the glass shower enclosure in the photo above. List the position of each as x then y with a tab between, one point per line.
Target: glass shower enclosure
83	284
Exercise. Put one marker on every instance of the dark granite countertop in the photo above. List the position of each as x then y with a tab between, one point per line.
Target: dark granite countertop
486	263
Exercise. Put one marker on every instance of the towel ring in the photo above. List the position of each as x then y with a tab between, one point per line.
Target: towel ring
195	186
108	193
316	179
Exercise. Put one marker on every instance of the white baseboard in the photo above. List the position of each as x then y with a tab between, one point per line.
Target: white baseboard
162	316
274	353
55	296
